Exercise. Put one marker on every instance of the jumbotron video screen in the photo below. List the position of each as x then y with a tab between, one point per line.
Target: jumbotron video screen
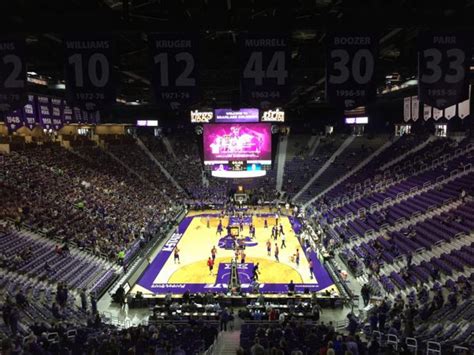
229	142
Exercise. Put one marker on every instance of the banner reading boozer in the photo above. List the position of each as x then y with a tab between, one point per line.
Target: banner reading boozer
443	67
44	112
350	69
57	113
14	120
12	74
89	63
264	74
30	112
175	64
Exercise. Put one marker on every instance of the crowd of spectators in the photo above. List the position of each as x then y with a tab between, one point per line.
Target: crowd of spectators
85	198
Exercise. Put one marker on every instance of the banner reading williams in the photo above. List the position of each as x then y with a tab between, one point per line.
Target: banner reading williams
12	74
350	69
443	68
89	64
175	64
264	73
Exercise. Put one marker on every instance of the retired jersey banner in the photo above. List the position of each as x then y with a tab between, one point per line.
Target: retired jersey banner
464	108
12	74
57	113
175	65
264	73
14	120
44	112
30	112
67	113
443	68
89	63
350	69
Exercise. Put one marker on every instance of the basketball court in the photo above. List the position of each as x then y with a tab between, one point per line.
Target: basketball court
198	234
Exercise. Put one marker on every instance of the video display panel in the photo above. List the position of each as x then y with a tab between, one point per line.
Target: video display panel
228	142
244	115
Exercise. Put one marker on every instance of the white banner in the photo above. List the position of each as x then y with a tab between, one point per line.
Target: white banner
464	109
415	107
437	114
406	109
426	112
450	112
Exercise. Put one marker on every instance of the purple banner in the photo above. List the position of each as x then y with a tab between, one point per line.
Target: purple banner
77	115
244	115
12	74
443	68
44	112
226	142
14	120
264	73
56	113
30	112
175	64
89	65
67	113
350	69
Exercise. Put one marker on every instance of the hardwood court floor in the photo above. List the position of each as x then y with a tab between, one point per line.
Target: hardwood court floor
196	244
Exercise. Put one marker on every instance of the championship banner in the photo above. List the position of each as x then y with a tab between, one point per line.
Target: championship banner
77	115
12	74
415	108
30	112
464	108
264	73
437	114
91	117
443	68
14	120
407	109
426	112
450	112
89	67
67	113
175	65
44	112
350	69
57	113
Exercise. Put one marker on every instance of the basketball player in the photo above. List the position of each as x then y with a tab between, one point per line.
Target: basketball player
311	269
242	257
283	239
265	223
210	264
176	255
281	229
277	252
269	248
297	259
208	221
255	272
219	228
274	233
213	252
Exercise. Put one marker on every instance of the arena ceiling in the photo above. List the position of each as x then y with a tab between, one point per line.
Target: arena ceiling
219	22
